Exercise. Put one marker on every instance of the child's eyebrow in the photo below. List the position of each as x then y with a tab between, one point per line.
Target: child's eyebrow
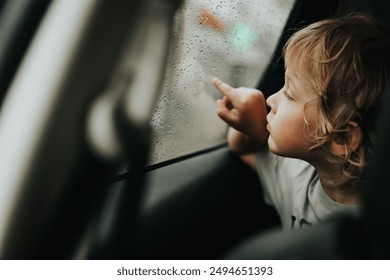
287	79
287	74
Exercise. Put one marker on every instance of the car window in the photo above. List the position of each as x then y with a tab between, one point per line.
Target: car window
229	39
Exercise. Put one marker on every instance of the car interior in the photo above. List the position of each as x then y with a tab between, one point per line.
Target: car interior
84	174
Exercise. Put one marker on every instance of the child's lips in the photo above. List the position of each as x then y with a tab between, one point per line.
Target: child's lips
268	126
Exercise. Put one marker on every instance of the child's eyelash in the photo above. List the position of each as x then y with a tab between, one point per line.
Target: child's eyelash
287	95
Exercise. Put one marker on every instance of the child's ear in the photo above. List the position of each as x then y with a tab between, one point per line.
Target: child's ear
352	142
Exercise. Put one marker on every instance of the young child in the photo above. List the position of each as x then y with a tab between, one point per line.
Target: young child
320	125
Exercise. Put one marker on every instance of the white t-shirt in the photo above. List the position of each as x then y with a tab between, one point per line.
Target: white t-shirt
294	189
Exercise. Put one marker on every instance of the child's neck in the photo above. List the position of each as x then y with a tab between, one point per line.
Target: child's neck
342	197
341	193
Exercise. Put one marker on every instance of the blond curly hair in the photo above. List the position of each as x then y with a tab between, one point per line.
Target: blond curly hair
346	62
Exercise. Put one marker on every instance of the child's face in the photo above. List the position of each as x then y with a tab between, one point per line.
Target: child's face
289	108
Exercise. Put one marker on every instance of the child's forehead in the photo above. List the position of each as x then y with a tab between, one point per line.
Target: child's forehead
294	69
301	78
303	54
299	69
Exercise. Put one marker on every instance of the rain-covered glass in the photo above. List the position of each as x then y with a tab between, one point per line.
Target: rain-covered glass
230	39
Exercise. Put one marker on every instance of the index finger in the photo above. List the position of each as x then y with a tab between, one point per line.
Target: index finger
224	88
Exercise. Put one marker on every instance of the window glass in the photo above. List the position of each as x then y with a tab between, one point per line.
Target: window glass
230	39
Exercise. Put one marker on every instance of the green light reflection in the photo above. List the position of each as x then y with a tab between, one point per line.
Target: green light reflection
242	37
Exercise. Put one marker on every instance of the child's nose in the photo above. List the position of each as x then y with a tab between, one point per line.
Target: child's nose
271	103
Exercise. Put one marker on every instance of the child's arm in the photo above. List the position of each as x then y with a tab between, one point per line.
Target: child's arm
241	144
244	110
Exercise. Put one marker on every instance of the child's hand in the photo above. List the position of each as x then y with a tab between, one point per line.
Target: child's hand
243	109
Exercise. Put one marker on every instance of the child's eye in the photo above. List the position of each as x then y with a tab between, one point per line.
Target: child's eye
287	95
